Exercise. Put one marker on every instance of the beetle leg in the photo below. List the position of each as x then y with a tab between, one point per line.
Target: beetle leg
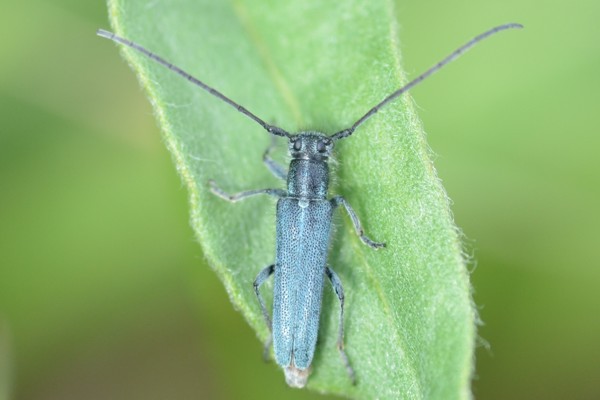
260	279
242	195
339	291
339	200
276	169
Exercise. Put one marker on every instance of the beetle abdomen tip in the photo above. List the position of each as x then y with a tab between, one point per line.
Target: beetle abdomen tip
295	377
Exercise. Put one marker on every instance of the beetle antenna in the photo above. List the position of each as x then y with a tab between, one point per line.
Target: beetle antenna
274	130
453	56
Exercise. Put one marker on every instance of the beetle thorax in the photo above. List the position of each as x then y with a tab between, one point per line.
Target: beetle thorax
308	179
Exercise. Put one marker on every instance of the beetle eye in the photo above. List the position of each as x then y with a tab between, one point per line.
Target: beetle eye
297	145
321	147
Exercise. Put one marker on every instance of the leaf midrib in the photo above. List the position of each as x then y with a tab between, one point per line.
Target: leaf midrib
273	71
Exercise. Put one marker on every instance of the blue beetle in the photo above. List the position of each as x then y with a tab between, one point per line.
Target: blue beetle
303	230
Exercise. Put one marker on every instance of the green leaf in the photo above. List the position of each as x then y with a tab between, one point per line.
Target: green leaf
316	66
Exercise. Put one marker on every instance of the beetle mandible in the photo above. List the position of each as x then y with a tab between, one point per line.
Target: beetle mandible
303	226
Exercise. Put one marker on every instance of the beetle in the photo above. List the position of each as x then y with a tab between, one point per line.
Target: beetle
303	225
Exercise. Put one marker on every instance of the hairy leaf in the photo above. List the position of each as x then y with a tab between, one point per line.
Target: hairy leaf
316	66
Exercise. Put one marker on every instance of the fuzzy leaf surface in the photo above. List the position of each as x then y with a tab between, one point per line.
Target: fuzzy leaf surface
316	66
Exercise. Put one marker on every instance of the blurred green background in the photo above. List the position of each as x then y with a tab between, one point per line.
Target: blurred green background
105	294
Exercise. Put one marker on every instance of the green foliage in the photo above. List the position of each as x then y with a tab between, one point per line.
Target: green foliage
410	321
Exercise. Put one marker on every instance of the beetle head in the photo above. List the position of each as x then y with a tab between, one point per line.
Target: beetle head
310	146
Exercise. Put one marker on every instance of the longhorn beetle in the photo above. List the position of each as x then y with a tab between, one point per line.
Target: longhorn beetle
303	226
